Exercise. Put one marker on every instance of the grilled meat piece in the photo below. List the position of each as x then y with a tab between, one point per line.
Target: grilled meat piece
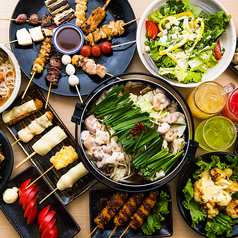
46	20
22	18
34	20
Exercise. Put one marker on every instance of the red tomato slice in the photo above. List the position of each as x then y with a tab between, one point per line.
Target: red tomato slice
217	50
53	233
42	214
29	198
85	50
48	228
25	194
30	206
46	220
23	186
151	29
106	47
33	215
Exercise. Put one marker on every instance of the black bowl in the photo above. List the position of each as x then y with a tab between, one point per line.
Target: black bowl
186	174
6	165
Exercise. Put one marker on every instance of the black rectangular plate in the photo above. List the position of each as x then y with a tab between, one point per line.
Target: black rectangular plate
43	162
97	201
66	224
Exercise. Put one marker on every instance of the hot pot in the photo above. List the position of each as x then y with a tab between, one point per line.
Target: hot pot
82	111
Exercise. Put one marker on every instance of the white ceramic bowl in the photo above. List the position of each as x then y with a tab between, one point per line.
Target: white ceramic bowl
227	40
18	77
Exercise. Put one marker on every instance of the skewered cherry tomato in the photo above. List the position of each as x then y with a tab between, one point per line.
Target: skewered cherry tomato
45	233
33	215
53	233
96	51
217	50
46	220
42	214
151	29
23	186
85	50
106	47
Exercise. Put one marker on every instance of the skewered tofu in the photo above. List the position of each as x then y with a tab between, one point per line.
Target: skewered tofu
49	141
36	34
64	157
23	37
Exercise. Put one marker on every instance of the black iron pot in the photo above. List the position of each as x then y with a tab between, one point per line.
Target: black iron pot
82	111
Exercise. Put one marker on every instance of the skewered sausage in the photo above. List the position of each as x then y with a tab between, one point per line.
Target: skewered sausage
115	203
36	127
144	210
20	112
49	140
128	208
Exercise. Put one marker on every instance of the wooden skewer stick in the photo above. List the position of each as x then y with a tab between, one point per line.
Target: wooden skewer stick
112	76
112	231
40	176
10	42
125	231
126	43
27	158
105	5
47	196
93	231
28	85
48	96
15	142
80	98
129	22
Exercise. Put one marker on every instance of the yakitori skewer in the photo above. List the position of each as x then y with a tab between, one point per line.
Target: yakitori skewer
114	28
113	205
74	82
67	155
36	127
94	19
67	180
22	18
143	211
46	143
40	61
127	210
80	9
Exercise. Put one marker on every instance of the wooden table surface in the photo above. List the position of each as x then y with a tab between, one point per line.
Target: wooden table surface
64	107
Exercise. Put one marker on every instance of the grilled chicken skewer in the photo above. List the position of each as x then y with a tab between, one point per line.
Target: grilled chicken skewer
94	19
143	211
80	8
127	210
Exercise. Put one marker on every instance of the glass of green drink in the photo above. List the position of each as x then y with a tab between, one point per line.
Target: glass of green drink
216	133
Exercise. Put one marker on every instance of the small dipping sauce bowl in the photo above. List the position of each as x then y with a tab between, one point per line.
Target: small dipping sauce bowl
68	39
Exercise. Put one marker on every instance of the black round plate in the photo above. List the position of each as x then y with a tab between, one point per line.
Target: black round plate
7	164
116	62
187	173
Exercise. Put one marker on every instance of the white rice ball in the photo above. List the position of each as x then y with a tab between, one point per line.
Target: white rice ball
73	80
70	69
66	59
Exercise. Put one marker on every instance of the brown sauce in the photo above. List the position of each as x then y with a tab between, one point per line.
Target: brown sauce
68	39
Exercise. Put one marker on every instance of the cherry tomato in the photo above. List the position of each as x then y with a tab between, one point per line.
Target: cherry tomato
30	206
23	186
151	29
29	198
48	228
85	50
46	220
25	194
33	215
42	214
217	50
53	233
106	47
96	51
